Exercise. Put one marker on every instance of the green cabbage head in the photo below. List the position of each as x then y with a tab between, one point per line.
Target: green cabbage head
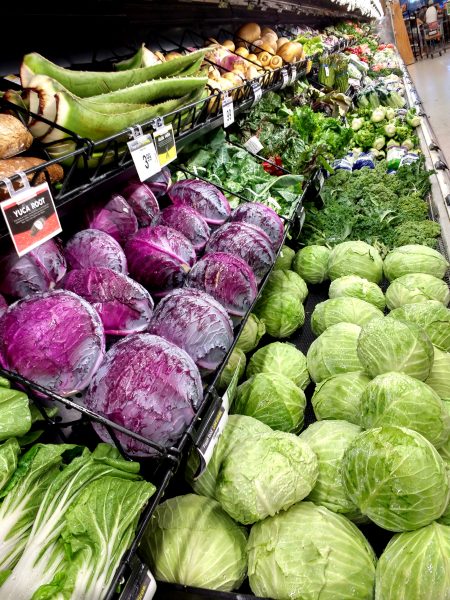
286	281
329	439
273	399
414	258
282	313
398	399
415	565
191	541
285	258
432	316
389	345
339	397
334	352
311	263
416	287
238	427
396	477
237	361
310	552
342	310
355	258
264	475
252	332
280	358
439	379
357	287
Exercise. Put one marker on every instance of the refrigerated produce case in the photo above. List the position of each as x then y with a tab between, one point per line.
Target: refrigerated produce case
82	185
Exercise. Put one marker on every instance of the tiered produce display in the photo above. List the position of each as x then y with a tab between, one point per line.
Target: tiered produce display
292	255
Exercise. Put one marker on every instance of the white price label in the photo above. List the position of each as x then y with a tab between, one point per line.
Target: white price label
145	158
257	91
320	179
253	145
327	70
284	77
228	110
293	74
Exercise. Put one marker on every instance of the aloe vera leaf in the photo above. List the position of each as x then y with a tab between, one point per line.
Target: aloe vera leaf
73	114
92	83
142	58
155	89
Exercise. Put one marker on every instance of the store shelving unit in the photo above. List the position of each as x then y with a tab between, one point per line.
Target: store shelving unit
82	183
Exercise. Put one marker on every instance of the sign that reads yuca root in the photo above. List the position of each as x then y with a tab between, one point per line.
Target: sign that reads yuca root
165	145
31	218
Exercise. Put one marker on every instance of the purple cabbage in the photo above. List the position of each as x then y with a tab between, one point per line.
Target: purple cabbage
116	218
248	242
188	222
3	306
203	197
38	271
149	386
124	306
194	321
160	183
228	279
254	213
142	200
56	339
95	248
159	258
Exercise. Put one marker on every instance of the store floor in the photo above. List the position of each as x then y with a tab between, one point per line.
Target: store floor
432	80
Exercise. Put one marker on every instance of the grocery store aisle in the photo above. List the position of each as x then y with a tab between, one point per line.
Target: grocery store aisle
432	80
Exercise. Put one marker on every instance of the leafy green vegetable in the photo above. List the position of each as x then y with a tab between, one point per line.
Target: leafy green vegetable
285	258
431	316
403	569
273	399
310	552
238	361
416	287
282	313
339	397
329	439
342	310
252	332
190	540
98	528
438	378
15	416
357	287
311	263
280	358
396	477
43	555
9	455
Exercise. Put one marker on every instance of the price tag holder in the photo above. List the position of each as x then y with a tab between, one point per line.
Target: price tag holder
257	91
320	180
143	153
284	77
228	110
253	145
141	584
165	145
30	215
327	70
293	74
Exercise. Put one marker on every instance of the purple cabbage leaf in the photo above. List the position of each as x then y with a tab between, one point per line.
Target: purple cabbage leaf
115	217
203	197
95	248
55	339
160	183
194	321
38	271
149	386
254	213
188	222
3	306
228	279
249	242
124	306
142	200
159	258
